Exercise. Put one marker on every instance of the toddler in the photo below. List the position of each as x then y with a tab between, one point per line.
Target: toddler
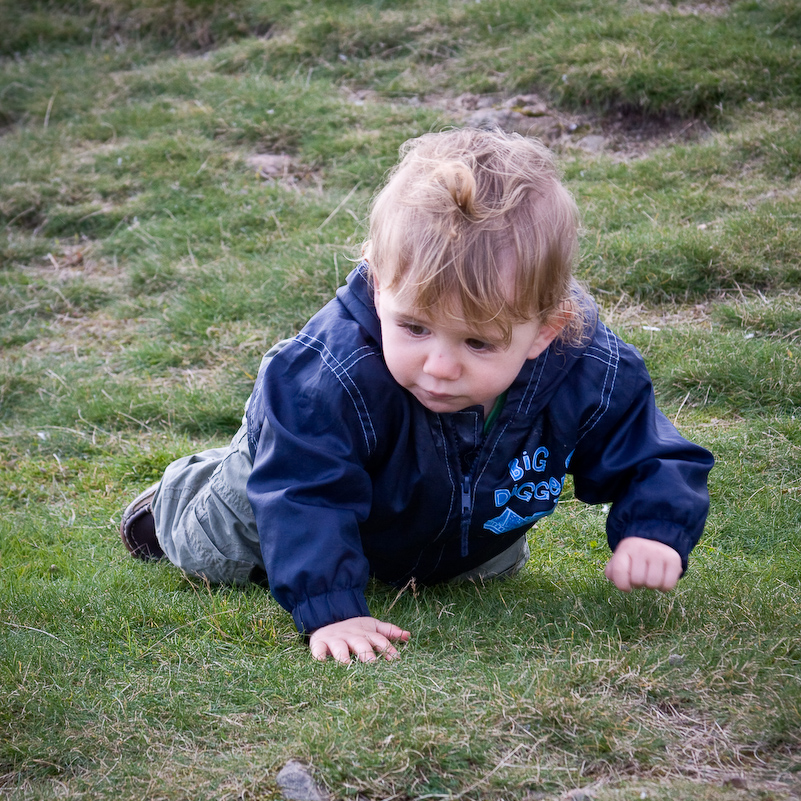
423	421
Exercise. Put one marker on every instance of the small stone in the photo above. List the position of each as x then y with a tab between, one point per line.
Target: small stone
270	165
468	101
676	659
593	143
297	783
528	100
528	105
540	110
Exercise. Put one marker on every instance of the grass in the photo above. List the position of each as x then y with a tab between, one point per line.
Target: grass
145	266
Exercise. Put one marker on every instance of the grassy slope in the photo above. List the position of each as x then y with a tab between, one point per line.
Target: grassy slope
145	267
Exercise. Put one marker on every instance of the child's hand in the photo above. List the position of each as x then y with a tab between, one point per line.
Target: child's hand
363	636
638	562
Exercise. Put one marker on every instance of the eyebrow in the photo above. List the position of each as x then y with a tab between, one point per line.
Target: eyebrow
410	318
406	316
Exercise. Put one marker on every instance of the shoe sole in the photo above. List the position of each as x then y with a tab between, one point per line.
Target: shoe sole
141	505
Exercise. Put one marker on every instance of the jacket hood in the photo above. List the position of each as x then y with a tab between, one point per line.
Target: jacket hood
357	297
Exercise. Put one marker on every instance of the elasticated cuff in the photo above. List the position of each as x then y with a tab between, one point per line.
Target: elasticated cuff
320	610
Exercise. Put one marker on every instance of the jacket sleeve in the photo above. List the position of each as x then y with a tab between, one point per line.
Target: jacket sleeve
309	487
629	454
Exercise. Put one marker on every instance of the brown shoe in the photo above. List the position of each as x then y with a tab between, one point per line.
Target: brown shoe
138	528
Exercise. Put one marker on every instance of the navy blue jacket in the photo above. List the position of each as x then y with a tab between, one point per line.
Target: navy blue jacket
353	477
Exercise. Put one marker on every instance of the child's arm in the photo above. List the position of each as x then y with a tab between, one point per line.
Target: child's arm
631	456
362	636
639	562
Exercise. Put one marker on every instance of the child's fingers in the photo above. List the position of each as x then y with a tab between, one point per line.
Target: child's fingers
341	649
655	576
321	646
657	573
383	647
643	573
391	631
628	573
364	648
640	563
363	637
320	649
618	571
672	575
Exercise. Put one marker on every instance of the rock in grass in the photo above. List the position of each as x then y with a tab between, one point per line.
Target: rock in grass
271	165
297	783
592	143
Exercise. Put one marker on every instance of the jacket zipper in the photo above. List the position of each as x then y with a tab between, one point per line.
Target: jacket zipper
467	511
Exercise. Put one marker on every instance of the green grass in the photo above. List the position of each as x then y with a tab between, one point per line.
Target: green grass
145	266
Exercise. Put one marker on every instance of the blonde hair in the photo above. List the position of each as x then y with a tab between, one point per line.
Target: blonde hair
463	210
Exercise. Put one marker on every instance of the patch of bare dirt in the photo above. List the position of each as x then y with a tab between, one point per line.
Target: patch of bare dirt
72	260
623	137
625	314
713	9
80	333
283	169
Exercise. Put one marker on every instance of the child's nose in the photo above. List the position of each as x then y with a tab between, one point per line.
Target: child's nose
442	363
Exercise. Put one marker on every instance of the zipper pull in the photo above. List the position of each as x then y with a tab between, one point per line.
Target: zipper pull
467	503
467	509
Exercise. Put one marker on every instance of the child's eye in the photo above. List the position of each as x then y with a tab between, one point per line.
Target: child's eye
479	345
415	329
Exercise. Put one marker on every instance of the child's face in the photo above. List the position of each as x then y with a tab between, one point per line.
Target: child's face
449	366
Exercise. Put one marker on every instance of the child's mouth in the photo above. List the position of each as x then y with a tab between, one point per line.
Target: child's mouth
437	396
435	399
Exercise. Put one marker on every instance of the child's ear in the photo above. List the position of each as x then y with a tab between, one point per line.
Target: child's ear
547	334
550	330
